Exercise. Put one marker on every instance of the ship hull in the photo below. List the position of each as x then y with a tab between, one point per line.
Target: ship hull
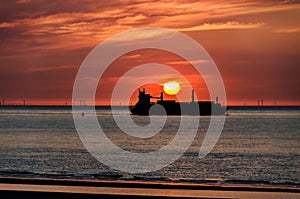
196	108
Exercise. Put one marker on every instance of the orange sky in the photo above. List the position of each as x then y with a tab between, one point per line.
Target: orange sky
255	44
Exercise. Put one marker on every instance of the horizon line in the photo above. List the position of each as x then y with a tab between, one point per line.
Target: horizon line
63	105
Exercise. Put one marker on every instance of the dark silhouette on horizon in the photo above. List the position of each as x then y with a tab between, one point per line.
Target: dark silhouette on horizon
144	106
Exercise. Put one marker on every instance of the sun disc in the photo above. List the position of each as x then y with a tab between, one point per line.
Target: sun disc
171	88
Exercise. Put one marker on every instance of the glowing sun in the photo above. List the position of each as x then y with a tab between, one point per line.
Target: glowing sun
171	88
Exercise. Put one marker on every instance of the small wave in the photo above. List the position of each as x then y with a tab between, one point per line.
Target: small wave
127	177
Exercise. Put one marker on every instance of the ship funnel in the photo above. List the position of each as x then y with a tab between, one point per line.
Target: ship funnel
193	96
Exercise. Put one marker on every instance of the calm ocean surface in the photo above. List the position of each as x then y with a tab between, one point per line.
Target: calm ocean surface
255	147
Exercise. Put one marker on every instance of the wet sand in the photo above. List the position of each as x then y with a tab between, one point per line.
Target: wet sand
67	188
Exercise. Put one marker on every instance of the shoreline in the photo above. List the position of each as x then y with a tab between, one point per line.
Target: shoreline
150	184
12	187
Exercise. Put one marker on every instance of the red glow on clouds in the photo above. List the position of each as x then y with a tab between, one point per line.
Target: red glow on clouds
255	44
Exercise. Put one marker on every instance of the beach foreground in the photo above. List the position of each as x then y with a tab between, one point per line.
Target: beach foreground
58	188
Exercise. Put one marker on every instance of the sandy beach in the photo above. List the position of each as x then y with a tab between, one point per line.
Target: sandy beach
58	188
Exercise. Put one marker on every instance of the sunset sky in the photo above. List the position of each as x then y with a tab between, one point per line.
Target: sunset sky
255	44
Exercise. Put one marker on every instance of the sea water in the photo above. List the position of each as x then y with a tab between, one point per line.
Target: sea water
260	146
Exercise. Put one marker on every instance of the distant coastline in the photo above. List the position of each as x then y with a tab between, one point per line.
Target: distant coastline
108	107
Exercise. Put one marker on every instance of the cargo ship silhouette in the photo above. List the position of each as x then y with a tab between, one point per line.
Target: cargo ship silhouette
170	107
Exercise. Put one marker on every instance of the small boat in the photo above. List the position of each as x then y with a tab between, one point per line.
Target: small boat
144	106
